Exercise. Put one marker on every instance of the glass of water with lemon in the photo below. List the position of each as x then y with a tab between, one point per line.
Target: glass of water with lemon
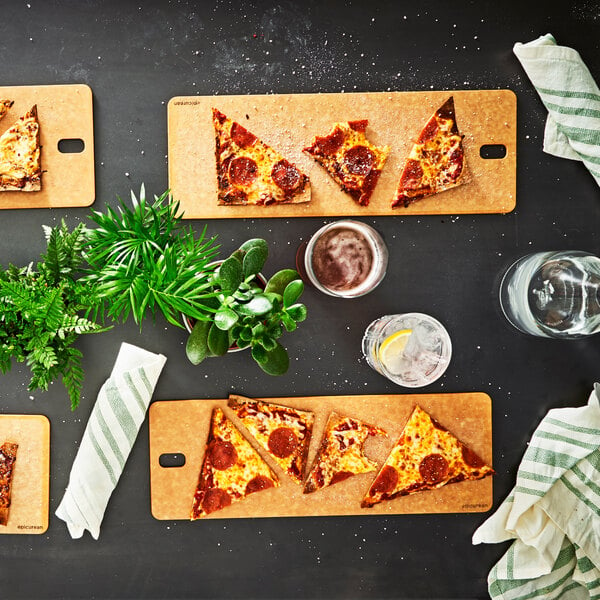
410	349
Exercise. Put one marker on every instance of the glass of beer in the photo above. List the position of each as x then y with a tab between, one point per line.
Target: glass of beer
345	258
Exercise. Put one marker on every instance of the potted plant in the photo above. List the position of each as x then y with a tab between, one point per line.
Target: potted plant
44	310
249	311
142	261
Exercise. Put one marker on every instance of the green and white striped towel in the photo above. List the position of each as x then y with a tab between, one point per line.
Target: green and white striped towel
552	513
108	438
571	96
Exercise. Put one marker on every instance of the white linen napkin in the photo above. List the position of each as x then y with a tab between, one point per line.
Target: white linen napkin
108	438
571	97
552	513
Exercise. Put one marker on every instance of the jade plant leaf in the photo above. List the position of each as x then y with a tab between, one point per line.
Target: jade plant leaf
298	312
258	306
230	274
225	318
274	362
280	280
292	292
218	340
254	260
196	347
255	243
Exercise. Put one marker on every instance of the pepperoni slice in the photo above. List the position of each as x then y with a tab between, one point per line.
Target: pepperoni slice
472	459
215	499
258	483
340	476
222	455
286	176
359	126
433	468
359	160
241	136
283	442
242	170
429	131
327	145
412	174
386	481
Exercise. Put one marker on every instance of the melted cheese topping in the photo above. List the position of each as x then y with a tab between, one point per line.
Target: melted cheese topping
257	186
341	452
435	157
351	172
4	106
20	166
234	479
425	457
265	418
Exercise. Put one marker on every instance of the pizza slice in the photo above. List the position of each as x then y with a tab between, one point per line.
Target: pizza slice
5	106
353	162
8	457
284	432
251	172
232	469
20	165
341	453
436	162
427	456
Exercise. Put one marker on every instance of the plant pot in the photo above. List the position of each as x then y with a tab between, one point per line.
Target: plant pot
189	323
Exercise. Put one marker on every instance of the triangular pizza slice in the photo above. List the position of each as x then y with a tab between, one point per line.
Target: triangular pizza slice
252	172
436	161
341	453
20	164
231	470
5	106
8	457
283	431
427	456
352	161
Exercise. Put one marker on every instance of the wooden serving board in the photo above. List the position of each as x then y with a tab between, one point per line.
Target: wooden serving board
31	477
65	112
180	427
289	122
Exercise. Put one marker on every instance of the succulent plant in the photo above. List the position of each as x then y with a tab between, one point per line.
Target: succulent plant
249	312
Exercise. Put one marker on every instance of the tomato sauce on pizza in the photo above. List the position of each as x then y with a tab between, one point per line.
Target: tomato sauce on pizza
436	161
341	453
231	470
282	431
427	456
352	161
252	172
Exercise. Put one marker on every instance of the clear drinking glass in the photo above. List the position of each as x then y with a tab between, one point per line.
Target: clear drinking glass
424	357
345	258
553	294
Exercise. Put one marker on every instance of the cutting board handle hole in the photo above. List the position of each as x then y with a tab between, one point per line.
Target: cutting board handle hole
492	151
71	146
171	460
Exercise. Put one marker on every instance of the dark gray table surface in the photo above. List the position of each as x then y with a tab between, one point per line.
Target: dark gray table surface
135	57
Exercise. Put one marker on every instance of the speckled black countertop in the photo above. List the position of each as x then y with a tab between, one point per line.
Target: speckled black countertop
135	57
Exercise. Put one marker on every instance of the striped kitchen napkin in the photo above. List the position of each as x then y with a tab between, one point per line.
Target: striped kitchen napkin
552	513
108	438
571	97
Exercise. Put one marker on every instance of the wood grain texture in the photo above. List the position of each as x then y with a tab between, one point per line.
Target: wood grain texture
64	112
288	122
31	479
181	427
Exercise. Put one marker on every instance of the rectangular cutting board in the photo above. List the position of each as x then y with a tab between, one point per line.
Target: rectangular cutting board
31	476
180	427
65	112
289	122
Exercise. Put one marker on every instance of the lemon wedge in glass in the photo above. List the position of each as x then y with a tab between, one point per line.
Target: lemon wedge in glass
392	348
